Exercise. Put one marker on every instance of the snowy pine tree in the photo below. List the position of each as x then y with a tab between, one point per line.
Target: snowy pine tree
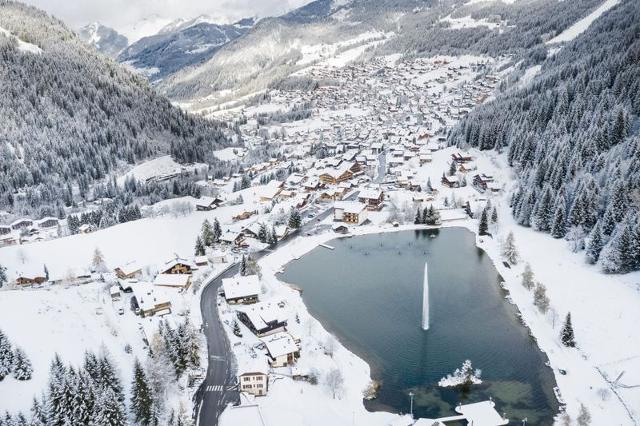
207	234
483	226
6	356
594	245
22	369
509	250
3	276
141	397
566	335
199	248
108	411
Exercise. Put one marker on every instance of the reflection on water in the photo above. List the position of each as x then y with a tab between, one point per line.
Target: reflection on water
368	292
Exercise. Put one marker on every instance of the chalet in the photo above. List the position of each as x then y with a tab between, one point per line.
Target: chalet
177	266
232	238
481	182
173	280
425	158
312	185
21	224
206	204
47	222
4	230
330	195
335	176
255	383
377	147
149	300
450	181
373	198
263	319
244	215
8	241
282	231
241	289
130	270
352	212
461	158
282	349
270	191
467	167
30	278
201	260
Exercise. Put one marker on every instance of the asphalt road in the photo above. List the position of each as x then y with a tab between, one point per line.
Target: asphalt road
219	387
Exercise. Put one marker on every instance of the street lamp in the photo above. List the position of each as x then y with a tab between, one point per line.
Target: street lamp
411	406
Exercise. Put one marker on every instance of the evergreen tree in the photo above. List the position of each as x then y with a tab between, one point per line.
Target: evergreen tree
207	234
243	266
108	411
3	276
38	413
509	250
418	218
543	219
294	219
595	244
559	226
199	249
483	226
217	230
527	277
540	298
274	236
141	397
22	369
6	356
262	233
494	215
566	335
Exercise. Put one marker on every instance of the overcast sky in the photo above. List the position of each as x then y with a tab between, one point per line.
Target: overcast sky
136	18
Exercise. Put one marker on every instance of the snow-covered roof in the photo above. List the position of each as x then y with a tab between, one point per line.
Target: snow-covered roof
206	202
280	344
370	194
129	268
352	207
241	286
147	296
263	313
172	280
245	415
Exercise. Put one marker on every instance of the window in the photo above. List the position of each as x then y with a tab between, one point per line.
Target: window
246	379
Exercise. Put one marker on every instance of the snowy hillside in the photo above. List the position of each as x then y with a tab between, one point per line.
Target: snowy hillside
105	40
180	45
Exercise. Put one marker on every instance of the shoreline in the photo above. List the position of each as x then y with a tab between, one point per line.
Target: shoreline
279	259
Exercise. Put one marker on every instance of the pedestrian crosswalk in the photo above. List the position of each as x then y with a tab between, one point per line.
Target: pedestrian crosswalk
214	388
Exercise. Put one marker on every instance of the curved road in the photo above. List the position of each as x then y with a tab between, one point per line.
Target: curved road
219	387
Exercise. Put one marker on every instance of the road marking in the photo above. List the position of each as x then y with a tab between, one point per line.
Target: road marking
217	358
214	388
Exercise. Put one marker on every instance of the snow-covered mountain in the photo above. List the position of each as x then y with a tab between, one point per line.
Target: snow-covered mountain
106	40
181	44
71	116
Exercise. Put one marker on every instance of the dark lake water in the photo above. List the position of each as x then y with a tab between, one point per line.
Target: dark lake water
368	292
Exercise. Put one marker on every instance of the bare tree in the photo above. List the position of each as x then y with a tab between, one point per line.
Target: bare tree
334	381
